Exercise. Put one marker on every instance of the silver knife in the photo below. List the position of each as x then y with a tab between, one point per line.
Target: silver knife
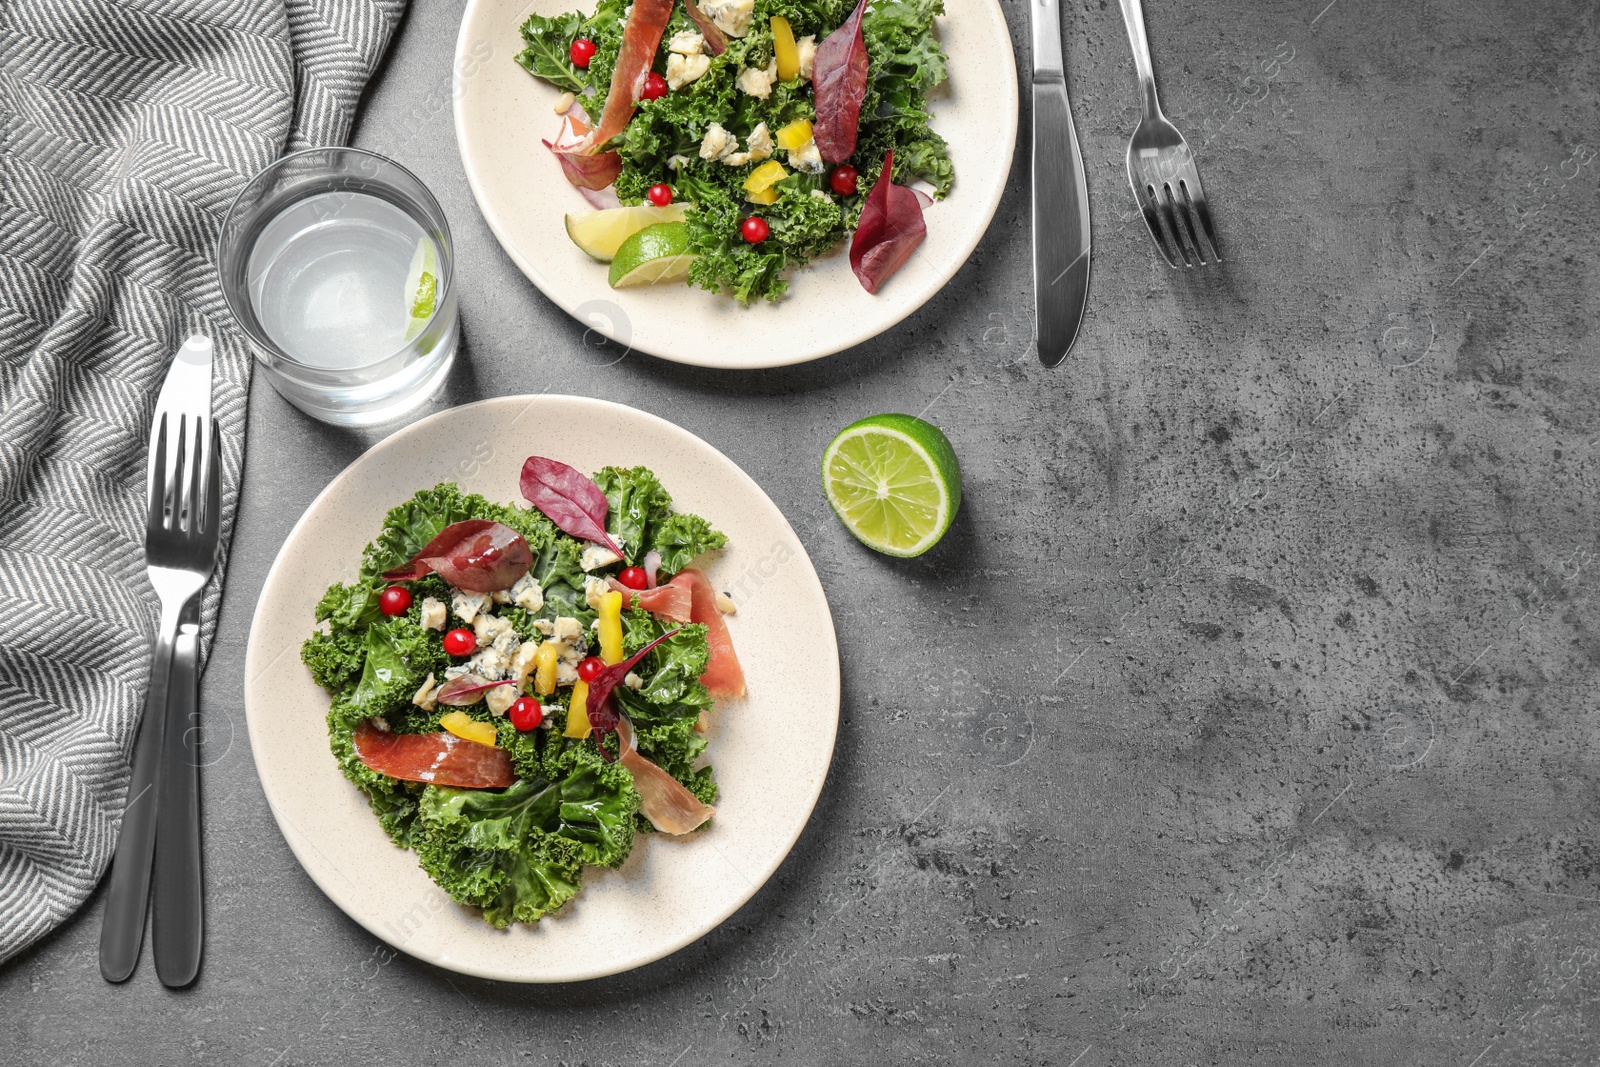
184	401
1060	197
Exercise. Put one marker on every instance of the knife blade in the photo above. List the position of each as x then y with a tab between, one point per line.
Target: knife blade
1060	197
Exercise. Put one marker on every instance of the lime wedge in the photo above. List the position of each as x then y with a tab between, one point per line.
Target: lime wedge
894	482
658	253
422	287
601	233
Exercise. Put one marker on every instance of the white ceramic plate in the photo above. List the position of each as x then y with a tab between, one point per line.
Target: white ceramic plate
502	111
771	750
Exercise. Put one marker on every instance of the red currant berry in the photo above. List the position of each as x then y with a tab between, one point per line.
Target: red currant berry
659	195
755	230
582	51
526	714
589	669
843	179
395	600
634	578
461	642
655	87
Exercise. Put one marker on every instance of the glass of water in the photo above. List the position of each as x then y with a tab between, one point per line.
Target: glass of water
337	264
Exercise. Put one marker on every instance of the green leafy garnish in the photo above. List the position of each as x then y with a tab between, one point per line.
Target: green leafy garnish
662	142
516	853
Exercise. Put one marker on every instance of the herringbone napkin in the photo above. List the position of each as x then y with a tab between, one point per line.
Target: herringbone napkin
126	128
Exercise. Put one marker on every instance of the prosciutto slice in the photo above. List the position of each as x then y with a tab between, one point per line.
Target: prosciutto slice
689	597
640	39
723	676
477	555
671	601
571	149
439	759
890	231
663	800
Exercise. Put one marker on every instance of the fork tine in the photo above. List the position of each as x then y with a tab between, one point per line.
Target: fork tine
1202	209
213	500
155	508
177	488
1185	223
196	501
1152	220
1177	254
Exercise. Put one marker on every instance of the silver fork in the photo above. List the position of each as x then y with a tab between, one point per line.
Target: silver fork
181	538
1161	168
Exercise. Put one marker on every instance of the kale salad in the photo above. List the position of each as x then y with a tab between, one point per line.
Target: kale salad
742	138
520	691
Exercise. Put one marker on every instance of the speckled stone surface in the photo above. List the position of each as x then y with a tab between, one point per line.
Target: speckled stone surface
1244	717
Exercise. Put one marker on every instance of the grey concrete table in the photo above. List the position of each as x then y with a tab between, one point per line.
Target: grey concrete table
1244	716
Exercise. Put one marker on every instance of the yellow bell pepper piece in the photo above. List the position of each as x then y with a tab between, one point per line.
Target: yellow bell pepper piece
765	196
544	668
610	627
578	711
793	136
467	728
784	49
765	176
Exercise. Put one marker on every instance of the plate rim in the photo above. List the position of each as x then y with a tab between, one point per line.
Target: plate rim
1010	101
833	685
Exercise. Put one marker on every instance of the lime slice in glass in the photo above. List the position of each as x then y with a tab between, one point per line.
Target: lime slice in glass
601	233
422	287
894	482
658	253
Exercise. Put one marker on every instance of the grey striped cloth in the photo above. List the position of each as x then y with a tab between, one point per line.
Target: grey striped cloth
126	128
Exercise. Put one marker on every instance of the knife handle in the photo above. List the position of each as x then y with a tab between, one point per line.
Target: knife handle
1047	56
177	925
128	887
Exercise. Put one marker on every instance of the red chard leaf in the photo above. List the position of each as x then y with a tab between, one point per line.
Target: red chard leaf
839	75
569	498
466	689
890	230
602	710
476	555
716	40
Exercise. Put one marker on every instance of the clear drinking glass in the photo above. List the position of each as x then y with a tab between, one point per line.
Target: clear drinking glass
327	259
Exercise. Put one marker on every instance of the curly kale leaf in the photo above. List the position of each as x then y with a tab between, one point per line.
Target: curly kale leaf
547	47
396	655
399	656
641	519
518	853
666	712
335	658
636	502
486	850
547	50
394	802
904	61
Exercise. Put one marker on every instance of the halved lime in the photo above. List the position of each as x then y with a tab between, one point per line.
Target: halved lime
658	253
422	287
894	482
601	233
